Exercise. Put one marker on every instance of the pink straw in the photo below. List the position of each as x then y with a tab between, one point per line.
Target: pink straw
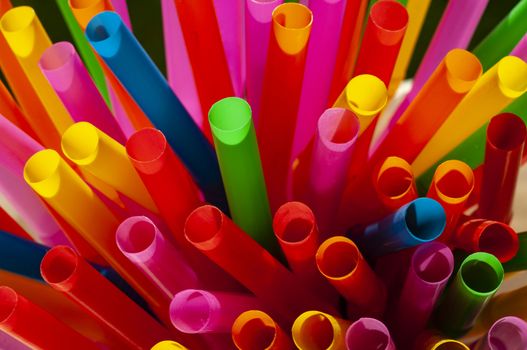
520	50
7	342
368	334
121	8
507	333
201	311
143	244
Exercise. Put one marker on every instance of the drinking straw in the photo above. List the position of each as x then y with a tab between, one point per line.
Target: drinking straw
205	51
502	39
11	111
417	222
519	261
241	171
65	72
348	47
63	190
451	186
506	333
255	329
368	334
336	133
168	345
139	239
8	224
394	184
281	94
21	256
520	50
430	269
320	63
341	263
178	68
216	236
497	88
417	10
200	311
383	36
453	78
130	63
489	236
121	7
433	340
35	327
476	281
505	143
318	330
65	271
8	342
258	17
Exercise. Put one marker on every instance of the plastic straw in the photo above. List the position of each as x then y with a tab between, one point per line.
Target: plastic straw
511	303
506	135
130	63
383	36
8	342
368	334
34	326
216	236
168	345
10	109
65	271
64	70
497	88
317	330
476	281
430	269
506	333
504	36
139	239
489	236
98	154
258	18
341	263
431	340
520	50
21	256
417	222
237	150
200	311
519	261
255	329
451	186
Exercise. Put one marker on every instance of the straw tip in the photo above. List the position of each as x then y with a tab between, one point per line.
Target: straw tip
366	95
103	32
17	25
230	120
512	76
80	143
292	27
41	172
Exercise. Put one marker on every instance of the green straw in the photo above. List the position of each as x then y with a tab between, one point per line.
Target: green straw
519	262
504	37
241	170
85	50
472	150
476	281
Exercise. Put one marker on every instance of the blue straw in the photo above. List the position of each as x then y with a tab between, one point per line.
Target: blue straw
20	256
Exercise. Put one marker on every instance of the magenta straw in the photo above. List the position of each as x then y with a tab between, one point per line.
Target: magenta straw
257	33
431	266
520	50
143	244
179	70
121	8
368	334
120	114
201	311
7	342
318	73
507	333
16	197
65	72
336	133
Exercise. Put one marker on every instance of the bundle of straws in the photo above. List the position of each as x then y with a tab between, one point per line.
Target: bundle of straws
283	188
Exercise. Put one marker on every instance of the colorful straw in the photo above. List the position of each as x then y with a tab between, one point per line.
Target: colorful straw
255	329
317	330
506	333
368	334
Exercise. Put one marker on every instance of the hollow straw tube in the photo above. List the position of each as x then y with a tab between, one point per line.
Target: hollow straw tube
506	137
341	263
65	271
139	239
237	150
216	236
255	329
519	261
394	183
21	256
417	222
520	50
320	63
258	19
34	326
430	269
178	68
317	330
8	342
498	87
200	311
383	36
337	131
432	340
451	186
121	8
476	281
489	236
368	334
506	333
64	70
502	39
136	71
168	345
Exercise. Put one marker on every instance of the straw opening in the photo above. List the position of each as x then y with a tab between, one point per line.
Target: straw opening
433	263
255	334
292	16
337	259
41	166
316	332
366	95
146	145
203	224
450	345
463	65
506	333
338	126
58	265
368	334
394	182
17	19
512	75
82	4
389	15
230	119
80	142
191	310
482	273
499	240
56	56
425	219
506	132
103	26
138	237
455	184
293	222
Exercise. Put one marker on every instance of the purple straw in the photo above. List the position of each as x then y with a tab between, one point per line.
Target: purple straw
507	333
368	334
520	50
